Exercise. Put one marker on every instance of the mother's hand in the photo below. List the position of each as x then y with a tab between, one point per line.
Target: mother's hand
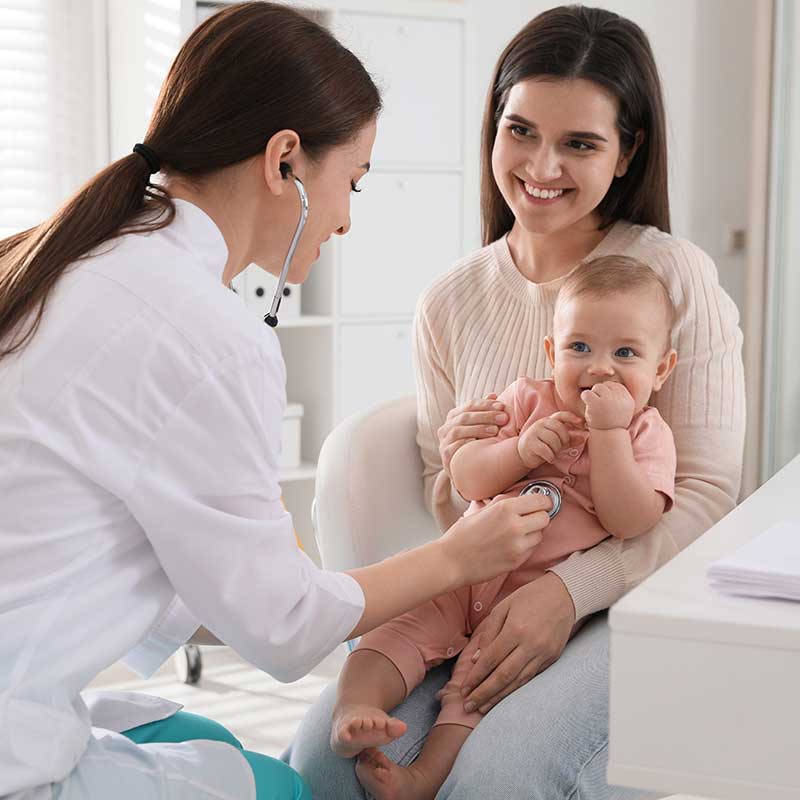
476	420
523	635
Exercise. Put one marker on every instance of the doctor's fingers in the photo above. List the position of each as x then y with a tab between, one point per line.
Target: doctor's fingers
523	506
507	535
526	525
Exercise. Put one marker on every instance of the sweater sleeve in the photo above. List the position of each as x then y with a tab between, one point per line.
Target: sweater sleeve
435	399
703	402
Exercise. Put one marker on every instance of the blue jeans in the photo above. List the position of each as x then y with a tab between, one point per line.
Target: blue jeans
274	780
546	741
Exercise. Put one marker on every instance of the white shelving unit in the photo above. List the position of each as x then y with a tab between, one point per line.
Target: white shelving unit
350	347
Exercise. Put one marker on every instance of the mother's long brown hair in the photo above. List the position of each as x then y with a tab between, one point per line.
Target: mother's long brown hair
573	42
246	73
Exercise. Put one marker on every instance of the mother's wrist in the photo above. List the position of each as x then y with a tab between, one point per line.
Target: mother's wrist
561	593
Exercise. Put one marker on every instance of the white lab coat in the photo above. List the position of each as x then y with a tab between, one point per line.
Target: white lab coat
139	436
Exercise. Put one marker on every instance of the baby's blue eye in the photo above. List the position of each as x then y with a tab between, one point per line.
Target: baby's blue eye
625	352
579	347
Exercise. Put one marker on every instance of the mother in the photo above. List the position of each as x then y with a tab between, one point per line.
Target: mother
574	166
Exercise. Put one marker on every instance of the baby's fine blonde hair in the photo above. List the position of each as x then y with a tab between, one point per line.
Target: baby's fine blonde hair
616	275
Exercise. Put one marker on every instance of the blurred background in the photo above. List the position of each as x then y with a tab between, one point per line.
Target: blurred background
78	79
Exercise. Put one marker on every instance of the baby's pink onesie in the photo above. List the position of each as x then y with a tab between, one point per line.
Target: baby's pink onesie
423	638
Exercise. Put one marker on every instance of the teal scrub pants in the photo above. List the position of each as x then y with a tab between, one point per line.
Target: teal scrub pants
274	779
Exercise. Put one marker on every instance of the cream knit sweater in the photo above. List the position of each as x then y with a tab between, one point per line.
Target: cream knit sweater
482	325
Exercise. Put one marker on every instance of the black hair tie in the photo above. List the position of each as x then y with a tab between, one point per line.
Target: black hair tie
149	156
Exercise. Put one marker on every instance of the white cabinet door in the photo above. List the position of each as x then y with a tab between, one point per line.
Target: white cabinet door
257	287
418	65
375	365
406	230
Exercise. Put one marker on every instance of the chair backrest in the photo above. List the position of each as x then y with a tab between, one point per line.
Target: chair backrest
369	494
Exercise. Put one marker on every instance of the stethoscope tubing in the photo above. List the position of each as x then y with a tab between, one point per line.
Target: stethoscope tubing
272	317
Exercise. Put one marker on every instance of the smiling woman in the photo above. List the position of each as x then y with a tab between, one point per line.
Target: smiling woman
555	175
550	103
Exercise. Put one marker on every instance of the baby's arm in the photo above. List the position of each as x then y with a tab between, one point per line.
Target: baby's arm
626	503
486	467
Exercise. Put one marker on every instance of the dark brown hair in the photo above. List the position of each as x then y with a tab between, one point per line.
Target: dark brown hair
573	42
246	73
607	276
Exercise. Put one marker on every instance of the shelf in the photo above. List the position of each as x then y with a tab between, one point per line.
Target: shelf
304	321
304	472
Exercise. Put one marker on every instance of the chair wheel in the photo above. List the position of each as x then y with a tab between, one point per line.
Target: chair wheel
188	662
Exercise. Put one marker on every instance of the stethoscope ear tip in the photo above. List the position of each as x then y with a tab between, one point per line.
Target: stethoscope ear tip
271	320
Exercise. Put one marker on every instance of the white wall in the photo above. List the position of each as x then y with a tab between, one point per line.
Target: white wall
722	134
143	37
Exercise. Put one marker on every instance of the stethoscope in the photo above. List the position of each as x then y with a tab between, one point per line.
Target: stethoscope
272	317
547	489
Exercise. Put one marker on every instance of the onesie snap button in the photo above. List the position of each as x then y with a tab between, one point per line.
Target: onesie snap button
478	606
573	451
450	651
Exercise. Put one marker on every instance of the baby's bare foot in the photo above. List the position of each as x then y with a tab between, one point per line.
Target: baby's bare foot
386	780
357	727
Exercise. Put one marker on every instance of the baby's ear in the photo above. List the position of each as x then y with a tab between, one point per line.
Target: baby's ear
550	349
665	367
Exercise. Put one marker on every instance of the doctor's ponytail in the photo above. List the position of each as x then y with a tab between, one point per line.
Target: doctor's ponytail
244	74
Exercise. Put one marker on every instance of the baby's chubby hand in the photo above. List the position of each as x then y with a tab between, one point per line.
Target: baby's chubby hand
547	437
608	405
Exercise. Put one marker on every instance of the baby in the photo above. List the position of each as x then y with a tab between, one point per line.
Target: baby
587	439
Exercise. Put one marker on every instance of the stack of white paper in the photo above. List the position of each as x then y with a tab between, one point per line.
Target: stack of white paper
767	566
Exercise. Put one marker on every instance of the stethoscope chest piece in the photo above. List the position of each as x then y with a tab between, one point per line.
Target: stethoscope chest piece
548	490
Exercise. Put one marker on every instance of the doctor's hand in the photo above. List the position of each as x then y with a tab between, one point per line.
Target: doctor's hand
476	420
498	538
522	636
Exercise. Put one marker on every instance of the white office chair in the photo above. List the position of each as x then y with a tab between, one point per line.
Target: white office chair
369	494
369	498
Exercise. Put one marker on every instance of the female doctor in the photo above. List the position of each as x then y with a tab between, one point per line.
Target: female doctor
140	409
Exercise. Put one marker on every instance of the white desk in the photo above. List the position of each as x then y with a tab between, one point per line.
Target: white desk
705	688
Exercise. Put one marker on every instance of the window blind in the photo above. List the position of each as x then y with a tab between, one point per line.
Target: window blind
50	133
